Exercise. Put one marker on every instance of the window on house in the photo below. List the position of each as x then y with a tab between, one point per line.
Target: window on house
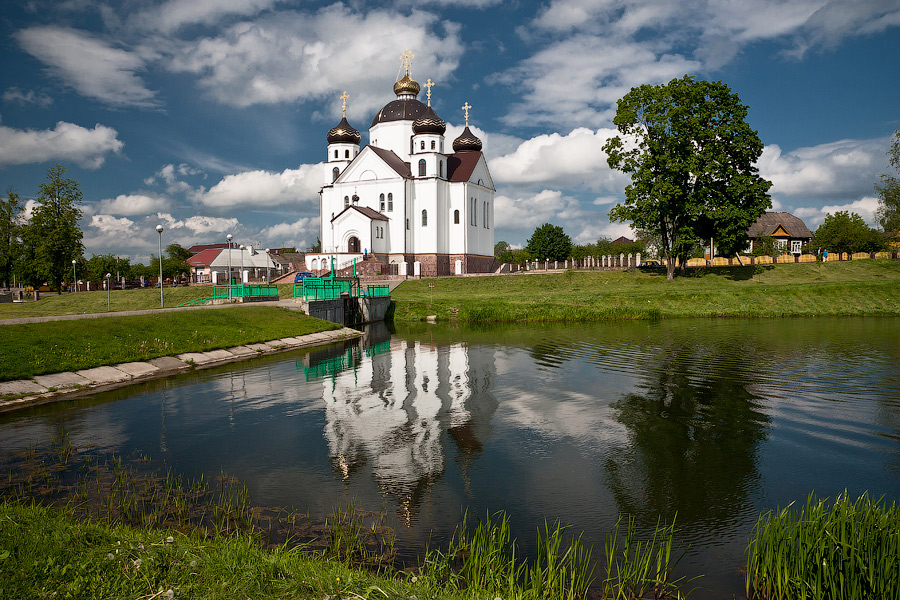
381	202
407	224
335	154
424	218
781	244
346	201
390	203
456	217
422	167
795	246
432	144
346	153
441	168
334	174
422	145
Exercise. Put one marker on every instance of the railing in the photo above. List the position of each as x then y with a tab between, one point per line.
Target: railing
244	291
331	289
376	291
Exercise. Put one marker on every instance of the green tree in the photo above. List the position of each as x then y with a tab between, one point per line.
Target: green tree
691	156
500	248
10	248
53	230
178	252
847	232
317	247
888	214
549	242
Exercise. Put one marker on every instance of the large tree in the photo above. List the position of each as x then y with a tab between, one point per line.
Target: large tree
889	192
53	232
9	235
847	232
549	242
691	156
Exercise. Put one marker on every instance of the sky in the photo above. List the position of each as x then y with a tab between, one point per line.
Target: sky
209	116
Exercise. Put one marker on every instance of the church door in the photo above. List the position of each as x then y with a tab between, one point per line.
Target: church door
353	245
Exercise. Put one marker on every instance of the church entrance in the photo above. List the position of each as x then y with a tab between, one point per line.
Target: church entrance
353	245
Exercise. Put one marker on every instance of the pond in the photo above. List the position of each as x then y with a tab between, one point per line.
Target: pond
713	420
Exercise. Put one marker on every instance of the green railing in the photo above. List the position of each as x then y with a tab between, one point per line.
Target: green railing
376	291
243	291
332	289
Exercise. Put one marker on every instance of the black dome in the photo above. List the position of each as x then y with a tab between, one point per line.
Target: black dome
343	133
400	110
429	123
467	142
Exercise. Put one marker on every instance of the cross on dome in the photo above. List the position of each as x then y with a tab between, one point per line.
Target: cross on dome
407	57
466	108
344	98
429	84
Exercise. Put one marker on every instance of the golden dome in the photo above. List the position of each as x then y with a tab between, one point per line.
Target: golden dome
407	85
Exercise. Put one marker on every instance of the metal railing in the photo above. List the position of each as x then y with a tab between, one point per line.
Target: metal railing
244	291
331	289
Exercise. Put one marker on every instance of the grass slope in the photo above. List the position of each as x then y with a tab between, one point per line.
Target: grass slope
56	346
863	287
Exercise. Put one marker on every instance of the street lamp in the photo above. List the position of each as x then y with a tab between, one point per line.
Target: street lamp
268	259
159	230
108	275
74	277
242	247
229	237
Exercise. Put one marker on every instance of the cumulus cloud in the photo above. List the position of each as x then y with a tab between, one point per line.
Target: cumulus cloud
842	169
864	207
575	159
198	224
172	15
133	204
264	188
16	96
295	56
170	173
120	227
65	142
299	233
89	65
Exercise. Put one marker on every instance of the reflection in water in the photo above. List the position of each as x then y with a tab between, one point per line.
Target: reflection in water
390	410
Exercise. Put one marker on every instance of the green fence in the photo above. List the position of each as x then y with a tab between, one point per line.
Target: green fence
331	289
244	291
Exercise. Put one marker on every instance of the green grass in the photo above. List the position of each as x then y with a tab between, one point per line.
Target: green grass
853	288
57	346
845	549
52	304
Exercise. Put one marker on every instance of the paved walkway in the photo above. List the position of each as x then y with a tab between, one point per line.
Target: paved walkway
56	386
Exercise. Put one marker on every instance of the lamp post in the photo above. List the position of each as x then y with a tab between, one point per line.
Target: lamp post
108	275
228	238
74	277
242	248
268	259
159	230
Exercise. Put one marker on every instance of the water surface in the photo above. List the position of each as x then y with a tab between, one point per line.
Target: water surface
713	420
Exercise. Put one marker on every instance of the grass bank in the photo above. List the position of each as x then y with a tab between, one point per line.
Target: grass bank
56	346
853	288
52	304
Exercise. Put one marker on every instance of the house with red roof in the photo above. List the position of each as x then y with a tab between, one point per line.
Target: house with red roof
408	198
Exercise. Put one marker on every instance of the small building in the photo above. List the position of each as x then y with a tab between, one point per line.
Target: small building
789	232
212	265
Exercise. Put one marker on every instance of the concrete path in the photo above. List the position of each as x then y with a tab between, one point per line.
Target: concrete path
57	386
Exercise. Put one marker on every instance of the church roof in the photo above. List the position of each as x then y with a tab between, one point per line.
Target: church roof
769	223
393	161
400	110
366	211
344	133
429	122
467	142
461	165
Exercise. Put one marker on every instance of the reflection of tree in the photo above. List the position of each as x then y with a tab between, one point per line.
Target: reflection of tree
694	435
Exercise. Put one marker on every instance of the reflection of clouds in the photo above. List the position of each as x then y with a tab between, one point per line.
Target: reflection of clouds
89	427
391	411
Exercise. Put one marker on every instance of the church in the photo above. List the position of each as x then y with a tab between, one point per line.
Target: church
403	200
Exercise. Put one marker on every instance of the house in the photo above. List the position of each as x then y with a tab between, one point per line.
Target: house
212	265
404	198
789	232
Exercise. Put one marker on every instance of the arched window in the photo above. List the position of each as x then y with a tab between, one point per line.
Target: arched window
390	203
334	174
422	145
432	144
346	201
422	167
381	203
456	217
440	168
335	154
424	218
346	153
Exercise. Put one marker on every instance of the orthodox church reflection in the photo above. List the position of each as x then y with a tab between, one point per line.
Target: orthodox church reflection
389	404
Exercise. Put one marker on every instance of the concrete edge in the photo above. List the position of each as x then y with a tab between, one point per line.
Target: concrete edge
157	368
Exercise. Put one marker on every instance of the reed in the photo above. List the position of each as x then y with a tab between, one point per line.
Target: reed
636	568
845	549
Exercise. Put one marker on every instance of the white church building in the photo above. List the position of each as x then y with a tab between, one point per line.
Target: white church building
404	199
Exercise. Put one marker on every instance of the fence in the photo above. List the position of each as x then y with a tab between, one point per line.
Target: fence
331	289
243	291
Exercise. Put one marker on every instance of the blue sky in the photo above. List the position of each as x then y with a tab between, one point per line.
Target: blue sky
209	116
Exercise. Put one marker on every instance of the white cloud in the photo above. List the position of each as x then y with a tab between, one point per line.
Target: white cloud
842	169
89	65
120	228
295	56
815	216
65	142
172	15
298	234
575	159
264	188
133	204
198	224
17	96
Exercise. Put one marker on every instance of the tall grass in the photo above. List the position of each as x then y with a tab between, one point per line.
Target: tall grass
635	568
845	549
